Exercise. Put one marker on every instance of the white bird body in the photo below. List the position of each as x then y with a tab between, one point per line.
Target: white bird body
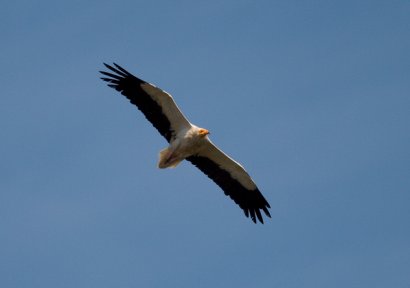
187	141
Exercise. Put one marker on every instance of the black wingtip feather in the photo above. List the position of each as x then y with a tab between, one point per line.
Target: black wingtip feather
252	212
112	75
250	202
258	214
246	212
266	212
130	87
122	70
119	72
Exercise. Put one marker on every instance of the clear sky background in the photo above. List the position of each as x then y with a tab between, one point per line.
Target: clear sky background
311	97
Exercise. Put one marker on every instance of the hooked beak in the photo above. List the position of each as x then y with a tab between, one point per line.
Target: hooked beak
203	133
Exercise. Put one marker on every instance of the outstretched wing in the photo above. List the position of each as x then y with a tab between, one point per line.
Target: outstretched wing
157	105
233	179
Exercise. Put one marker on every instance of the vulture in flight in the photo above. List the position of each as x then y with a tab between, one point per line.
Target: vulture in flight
189	142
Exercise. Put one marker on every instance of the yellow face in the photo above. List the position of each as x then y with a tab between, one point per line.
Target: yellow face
203	132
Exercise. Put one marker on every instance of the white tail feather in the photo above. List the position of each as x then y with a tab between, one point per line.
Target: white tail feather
162	156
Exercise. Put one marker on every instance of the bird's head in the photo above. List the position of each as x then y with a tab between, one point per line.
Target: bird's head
203	132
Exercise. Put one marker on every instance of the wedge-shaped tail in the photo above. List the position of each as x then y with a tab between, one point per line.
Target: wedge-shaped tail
163	156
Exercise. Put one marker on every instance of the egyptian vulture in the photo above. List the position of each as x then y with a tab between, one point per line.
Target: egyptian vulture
187	141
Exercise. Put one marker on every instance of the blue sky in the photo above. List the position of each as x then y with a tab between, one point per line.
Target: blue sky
312	98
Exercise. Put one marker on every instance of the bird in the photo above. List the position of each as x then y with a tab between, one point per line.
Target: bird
188	142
